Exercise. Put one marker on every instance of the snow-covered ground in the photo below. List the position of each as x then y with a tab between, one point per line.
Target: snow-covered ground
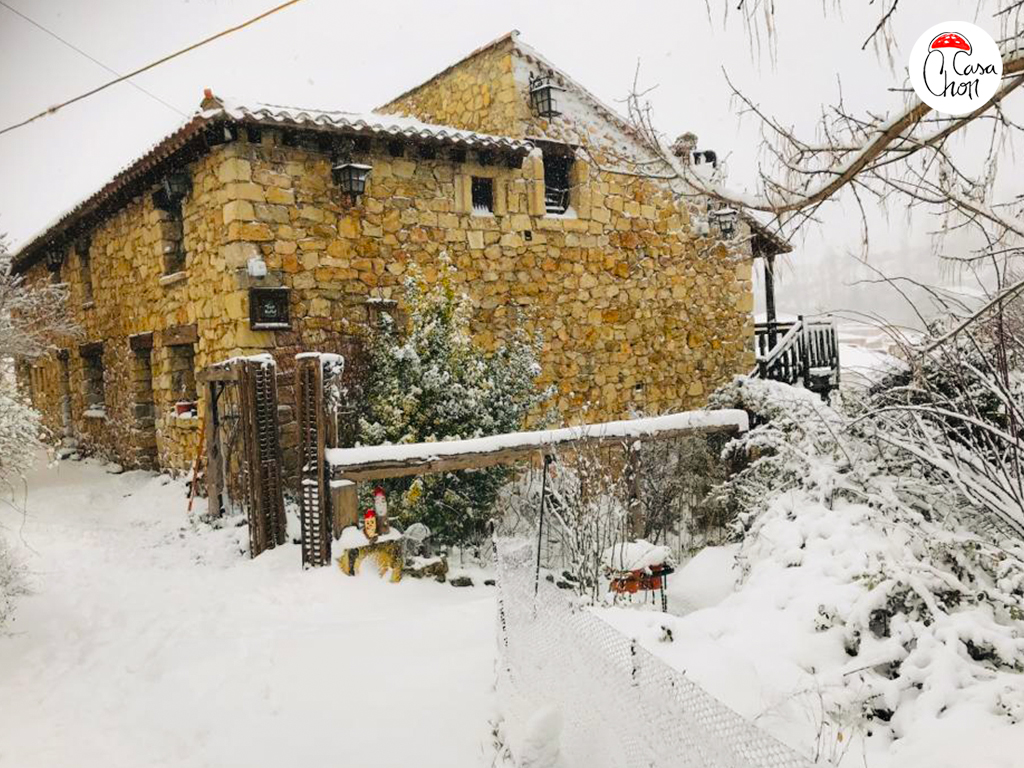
865	354
145	642
755	649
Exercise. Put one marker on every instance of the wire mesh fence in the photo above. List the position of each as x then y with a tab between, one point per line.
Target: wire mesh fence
621	707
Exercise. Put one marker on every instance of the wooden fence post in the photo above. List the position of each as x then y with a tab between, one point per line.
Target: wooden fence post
634	509
315	499
214	477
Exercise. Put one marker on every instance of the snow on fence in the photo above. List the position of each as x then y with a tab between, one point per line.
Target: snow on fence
376	462
620	706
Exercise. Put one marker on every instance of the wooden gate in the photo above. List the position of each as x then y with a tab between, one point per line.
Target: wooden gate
243	468
317	394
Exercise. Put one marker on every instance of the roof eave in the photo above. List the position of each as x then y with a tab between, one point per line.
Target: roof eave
66	226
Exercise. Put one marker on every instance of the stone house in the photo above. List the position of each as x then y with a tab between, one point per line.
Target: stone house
240	233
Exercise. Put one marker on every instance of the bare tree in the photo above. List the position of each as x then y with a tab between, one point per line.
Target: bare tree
33	319
33	316
901	159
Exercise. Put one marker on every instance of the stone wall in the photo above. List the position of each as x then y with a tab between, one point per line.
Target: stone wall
130	296
638	314
478	94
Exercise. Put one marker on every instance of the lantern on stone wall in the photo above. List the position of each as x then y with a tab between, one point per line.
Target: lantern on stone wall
543	96
220	132
174	187
725	219
54	259
351	177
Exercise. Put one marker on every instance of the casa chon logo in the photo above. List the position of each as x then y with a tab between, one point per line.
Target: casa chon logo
955	67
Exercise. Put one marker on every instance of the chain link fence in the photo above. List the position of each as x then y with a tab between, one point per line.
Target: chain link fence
621	707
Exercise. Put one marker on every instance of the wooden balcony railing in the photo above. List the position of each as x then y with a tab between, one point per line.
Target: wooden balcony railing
805	352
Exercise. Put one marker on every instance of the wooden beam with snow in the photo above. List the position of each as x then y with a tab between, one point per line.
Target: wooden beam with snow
384	461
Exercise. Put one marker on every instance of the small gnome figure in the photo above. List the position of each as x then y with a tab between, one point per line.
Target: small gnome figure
370	525
380	506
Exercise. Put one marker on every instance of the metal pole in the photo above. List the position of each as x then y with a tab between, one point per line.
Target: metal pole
540	523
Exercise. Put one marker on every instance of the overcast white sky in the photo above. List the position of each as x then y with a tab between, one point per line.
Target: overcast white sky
355	56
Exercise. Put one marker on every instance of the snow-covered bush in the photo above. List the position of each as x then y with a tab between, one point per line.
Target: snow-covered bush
432	382
11	583
31	316
958	410
930	614
19	435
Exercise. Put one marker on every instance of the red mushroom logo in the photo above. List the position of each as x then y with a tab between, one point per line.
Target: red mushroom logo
950	40
955	67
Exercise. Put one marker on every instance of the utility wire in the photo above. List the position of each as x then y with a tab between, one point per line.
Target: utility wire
148	67
93	59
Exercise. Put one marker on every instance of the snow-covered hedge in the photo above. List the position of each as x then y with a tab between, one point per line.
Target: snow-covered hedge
865	542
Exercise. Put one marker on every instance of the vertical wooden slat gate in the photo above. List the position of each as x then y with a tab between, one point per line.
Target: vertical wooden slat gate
315	510
267	526
241	400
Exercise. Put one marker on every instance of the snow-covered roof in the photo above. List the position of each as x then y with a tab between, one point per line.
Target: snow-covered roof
213	110
366	122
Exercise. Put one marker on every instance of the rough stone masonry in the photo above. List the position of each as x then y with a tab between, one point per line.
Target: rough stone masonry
638	313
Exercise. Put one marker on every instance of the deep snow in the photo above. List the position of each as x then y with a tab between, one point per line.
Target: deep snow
750	641
145	642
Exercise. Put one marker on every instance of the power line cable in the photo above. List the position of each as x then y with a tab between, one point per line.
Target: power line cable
93	59
140	70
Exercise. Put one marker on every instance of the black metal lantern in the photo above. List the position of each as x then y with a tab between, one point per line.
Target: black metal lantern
543	96
220	133
725	219
351	177
54	259
176	186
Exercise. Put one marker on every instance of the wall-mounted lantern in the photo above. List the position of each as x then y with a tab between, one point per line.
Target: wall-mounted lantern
54	259
174	187
220	133
351	177
543	95
82	245
725	219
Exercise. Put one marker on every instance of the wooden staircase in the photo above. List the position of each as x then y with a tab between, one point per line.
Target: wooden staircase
802	352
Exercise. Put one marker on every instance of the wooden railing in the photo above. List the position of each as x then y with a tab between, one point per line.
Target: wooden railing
804	351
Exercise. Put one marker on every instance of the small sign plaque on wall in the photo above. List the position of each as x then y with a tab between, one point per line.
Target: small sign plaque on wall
268	308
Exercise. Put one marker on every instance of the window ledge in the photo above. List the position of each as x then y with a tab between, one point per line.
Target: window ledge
271	326
95	413
88	304
174	278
